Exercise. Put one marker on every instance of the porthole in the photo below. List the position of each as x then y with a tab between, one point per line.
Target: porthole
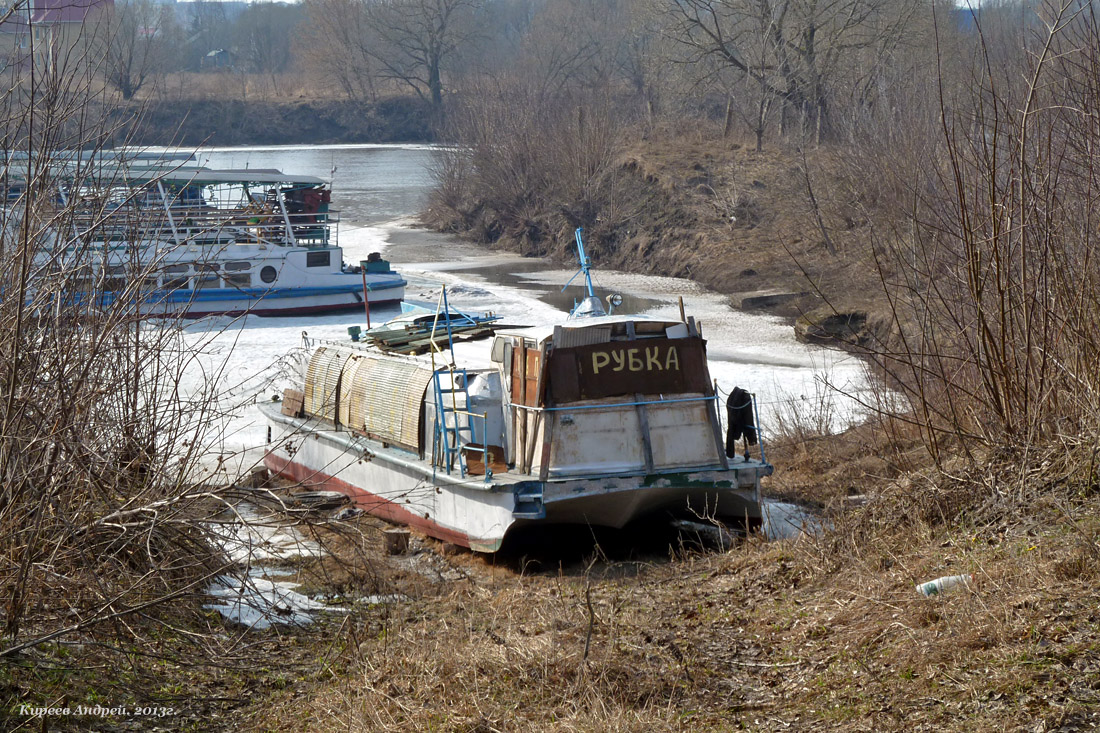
268	274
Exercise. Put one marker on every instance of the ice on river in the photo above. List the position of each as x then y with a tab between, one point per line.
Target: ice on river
253	359
257	602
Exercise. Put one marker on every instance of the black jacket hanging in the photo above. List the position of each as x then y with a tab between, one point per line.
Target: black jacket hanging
740	420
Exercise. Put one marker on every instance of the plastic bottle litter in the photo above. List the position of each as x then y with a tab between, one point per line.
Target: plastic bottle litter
934	587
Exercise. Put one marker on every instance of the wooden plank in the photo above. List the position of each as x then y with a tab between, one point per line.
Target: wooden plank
547	443
293	399
521	415
476	459
509	422
534	400
533	393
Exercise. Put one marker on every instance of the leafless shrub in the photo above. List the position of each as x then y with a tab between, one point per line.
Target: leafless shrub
527	166
101	514
991	280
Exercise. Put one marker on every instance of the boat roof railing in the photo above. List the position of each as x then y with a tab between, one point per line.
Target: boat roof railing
150	171
128	156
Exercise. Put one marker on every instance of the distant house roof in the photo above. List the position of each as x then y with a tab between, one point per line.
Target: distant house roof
65	11
49	12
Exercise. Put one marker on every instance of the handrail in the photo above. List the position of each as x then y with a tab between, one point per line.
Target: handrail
606	405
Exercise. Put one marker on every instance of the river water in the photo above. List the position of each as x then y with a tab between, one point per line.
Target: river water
379	190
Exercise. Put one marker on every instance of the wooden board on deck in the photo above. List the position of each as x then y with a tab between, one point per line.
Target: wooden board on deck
475	460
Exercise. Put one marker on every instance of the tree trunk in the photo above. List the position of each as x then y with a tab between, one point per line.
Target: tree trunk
435	84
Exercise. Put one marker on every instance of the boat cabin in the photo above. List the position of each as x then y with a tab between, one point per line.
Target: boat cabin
604	395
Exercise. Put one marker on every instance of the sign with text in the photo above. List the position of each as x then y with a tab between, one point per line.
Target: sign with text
615	368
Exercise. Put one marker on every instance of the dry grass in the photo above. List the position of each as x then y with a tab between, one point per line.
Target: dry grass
824	632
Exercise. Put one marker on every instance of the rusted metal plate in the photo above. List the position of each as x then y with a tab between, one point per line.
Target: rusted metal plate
642	366
680	435
604	441
572	337
611	439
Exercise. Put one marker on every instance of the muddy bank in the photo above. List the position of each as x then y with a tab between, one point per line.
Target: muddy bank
241	122
738	221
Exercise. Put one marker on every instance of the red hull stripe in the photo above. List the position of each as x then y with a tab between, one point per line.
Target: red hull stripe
370	503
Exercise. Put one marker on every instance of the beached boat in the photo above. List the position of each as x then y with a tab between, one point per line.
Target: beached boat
179	239
600	420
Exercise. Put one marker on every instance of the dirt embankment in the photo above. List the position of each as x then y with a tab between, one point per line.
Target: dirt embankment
776	230
241	122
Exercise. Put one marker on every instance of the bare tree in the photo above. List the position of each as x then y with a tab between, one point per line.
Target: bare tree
793	50
416	39
334	46
264	33
132	38
209	29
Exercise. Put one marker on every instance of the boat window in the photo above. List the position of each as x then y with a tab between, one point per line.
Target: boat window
176	270
176	283
238	281
268	274
318	259
237	266
208	280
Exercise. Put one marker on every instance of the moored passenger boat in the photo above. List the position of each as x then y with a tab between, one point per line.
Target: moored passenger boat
600	420
176	239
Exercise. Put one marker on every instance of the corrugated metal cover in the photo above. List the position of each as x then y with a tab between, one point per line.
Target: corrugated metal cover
351	391
583	336
322	381
383	398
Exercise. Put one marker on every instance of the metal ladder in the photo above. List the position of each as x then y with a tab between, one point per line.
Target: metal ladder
455	435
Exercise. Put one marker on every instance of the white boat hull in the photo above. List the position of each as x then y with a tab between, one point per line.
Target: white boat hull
276	302
476	513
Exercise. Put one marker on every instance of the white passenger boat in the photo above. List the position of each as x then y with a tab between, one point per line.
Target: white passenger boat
600	420
178	239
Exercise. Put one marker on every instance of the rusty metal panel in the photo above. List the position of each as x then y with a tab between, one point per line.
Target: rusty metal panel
642	366
323	381
597	442
609	439
680	434
587	336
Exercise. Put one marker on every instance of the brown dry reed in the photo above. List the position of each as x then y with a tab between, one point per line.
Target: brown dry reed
992	276
98	506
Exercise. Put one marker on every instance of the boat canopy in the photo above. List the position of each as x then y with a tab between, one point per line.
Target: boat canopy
379	397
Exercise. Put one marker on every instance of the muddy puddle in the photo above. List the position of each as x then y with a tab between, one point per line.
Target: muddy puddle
292	561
